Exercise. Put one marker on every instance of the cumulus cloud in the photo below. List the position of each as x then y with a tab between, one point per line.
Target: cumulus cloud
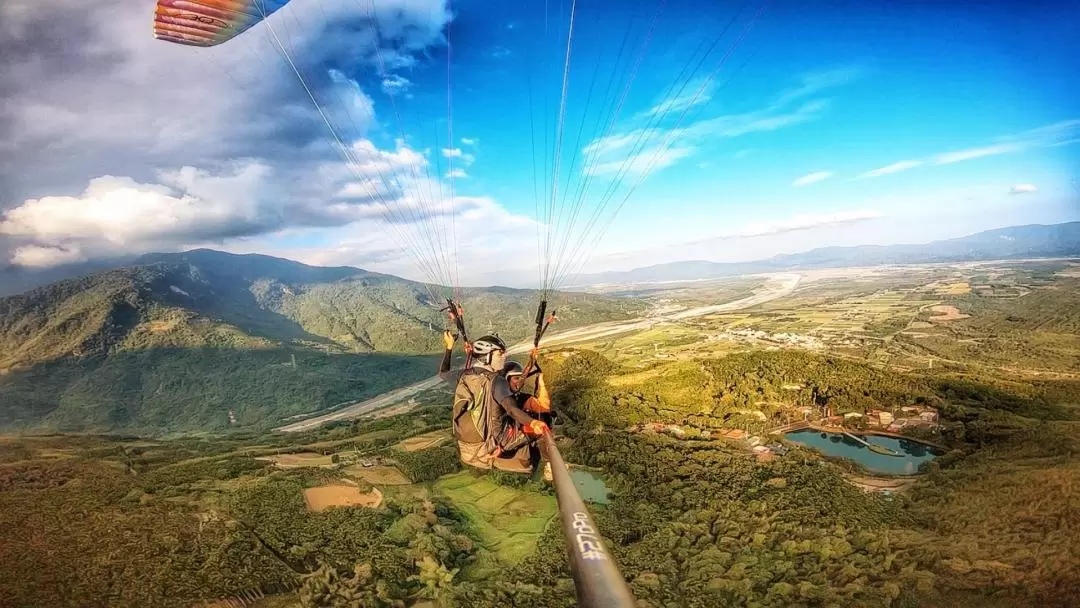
812	178
457	173
469	141
390	223
91	92
897	167
40	256
1023	189
118	215
465	157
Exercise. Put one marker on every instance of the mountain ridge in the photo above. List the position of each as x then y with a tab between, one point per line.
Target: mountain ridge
203	340
1030	240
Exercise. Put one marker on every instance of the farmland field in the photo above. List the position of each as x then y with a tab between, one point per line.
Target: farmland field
507	520
324	497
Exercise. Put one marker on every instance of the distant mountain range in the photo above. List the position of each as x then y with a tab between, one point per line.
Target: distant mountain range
1036	240
176	341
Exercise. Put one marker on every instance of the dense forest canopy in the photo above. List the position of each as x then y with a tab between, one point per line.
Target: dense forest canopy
693	522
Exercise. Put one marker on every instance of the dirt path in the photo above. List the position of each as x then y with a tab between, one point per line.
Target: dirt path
786	285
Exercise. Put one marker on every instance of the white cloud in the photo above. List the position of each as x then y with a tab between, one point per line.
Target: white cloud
630	139
760	121
395	84
1023	189
747	240
188	206
785	110
903	165
814	82
1052	135
117	215
352	104
649	160
465	157
457	173
803	222
695	93
121	102
812	178
369	160
39	256
1046	134
970	153
391	249
469	141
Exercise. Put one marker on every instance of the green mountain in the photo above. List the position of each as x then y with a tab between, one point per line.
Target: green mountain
178	341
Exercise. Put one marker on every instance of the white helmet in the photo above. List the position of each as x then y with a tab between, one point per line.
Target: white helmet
485	348
488	344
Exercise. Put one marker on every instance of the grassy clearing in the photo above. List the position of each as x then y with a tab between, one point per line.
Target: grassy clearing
946	313
508	521
422	442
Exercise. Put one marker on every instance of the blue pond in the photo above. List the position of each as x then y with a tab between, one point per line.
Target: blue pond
590	486
912	453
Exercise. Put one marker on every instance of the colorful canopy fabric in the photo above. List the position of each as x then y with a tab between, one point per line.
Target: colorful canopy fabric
209	22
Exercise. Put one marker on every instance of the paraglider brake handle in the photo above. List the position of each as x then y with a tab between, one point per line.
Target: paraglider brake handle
542	322
457	315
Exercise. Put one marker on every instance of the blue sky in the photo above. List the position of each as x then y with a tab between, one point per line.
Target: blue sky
840	123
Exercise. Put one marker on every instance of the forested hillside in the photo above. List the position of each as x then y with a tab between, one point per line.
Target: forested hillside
692	522
181	340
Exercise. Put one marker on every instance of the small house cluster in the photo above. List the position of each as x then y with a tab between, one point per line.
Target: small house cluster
909	416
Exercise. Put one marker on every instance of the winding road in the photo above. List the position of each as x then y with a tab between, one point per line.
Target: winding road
779	286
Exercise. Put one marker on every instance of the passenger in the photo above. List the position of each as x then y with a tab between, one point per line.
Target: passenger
537	403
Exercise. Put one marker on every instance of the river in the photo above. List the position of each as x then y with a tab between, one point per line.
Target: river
912	453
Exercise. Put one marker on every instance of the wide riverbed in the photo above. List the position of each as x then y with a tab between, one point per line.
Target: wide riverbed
912	453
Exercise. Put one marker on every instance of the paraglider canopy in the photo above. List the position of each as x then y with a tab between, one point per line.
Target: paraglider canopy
209	22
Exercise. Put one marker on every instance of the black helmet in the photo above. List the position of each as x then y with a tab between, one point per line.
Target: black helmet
512	368
488	344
